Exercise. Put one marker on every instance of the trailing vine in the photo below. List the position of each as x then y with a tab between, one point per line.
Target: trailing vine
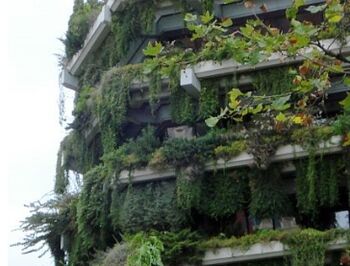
151	206
113	103
268	198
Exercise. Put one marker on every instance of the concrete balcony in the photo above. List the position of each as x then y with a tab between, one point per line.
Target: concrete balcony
95	37
191	76
273	249
238	10
283	153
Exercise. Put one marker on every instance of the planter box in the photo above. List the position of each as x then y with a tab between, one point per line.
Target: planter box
145	174
269	250
95	37
182	132
286	152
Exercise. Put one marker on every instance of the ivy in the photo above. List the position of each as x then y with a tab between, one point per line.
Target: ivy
268	198
113	103
94	230
317	184
273	81
308	247
84	15
150	206
223	194
208	100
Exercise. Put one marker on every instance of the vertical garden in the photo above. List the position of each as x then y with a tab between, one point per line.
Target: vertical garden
253	150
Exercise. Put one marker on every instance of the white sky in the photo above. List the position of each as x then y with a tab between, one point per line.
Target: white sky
30	132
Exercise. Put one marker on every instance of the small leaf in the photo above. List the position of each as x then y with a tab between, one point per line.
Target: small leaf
281	117
227	22
257	109
334	18
190	17
280	104
346	102
212	121
234	93
153	50
297	120
207	17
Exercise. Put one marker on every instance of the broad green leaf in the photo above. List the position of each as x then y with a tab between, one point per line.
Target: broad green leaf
227	22
234	93
316	9
281	117
207	17
153	50
334	18
346	102
280	104
212	121
233	104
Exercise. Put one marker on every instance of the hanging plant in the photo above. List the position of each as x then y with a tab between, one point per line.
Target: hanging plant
223	194
113	103
188	188
268	198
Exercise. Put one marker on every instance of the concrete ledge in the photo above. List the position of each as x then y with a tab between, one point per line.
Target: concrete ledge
269	250
68	80
145	174
238	10
286	152
211	69
113	5
96	35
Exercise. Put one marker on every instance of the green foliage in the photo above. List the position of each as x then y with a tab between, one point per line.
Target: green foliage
180	247
209	99
150	206
184	111
223	194
144	250
188	188
229	151
45	225
317	183
92	217
132	153
268	198
84	15
81	104
342	124
134	19
115	256
308	247
113	103
273	81
73	155
62	175
184	152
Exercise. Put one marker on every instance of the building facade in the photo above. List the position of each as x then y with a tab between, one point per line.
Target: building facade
207	133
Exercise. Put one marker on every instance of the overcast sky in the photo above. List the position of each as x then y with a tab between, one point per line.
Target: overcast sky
30	131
